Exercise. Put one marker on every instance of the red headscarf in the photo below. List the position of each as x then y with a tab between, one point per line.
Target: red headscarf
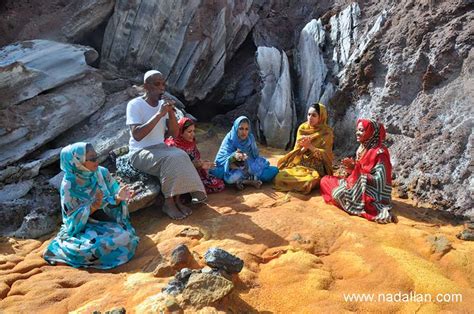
375	152
180	142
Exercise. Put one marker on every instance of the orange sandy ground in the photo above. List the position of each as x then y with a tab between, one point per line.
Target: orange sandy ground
301	256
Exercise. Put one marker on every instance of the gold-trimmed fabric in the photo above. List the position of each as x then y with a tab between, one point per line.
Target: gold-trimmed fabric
300	169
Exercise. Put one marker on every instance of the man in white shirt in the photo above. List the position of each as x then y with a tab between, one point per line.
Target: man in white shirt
147	116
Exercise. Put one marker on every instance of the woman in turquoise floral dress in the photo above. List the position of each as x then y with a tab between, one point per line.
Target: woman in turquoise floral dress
96	230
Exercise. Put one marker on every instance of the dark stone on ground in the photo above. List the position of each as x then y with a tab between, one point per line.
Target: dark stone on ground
218	258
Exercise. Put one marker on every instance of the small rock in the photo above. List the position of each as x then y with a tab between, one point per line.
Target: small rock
470	225
181	257
401	192
466	235
439	244
217	272
190	232
177	284
218	258
163	270
207	270
297	237
117	311
172	305
204	289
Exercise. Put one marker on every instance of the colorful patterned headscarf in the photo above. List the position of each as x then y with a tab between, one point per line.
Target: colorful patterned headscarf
83	182
373	153
376	132
179	141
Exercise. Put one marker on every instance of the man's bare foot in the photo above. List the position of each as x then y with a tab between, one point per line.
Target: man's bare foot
255	183
170	209
183	208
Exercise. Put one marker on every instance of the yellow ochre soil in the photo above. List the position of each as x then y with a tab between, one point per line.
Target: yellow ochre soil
300	254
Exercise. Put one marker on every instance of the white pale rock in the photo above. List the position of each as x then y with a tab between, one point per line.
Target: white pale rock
276	112
364	41
344	33
311	66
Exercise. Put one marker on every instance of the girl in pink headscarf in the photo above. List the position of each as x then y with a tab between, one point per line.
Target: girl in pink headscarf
366	191
187	142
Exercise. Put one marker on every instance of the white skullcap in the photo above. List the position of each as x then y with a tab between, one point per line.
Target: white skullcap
150	73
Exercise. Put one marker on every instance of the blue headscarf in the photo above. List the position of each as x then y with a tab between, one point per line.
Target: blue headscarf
81	181
232	142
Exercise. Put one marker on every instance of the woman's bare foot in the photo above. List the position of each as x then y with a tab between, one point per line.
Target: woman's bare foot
394	218
170	209
255	183
183	208
239	185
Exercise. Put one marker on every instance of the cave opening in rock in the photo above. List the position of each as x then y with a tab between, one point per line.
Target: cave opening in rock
236	88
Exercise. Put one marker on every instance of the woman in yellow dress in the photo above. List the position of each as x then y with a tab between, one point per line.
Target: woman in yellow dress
311	158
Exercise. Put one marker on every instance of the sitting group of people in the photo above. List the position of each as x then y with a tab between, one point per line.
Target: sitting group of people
96	230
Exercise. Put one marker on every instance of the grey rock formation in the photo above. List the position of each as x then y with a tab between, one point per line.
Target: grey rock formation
73	21
276	111
281	21
189	44
146	195
416	77
110	120
31	67
31	216
14	191
12	214
35	224
237	86
442	174
25	171
311	68
37	121
87	15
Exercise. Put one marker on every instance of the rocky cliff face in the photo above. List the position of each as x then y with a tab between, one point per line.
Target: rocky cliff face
414	75
408	64
190	42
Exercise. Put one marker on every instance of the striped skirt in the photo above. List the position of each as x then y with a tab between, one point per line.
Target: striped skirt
173	167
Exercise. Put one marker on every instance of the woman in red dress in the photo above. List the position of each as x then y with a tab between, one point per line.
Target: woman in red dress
187	142
366	191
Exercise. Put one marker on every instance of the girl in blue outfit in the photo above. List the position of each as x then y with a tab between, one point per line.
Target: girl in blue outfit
238	162
96	230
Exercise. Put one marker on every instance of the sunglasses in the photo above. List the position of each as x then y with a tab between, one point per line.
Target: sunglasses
93	159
